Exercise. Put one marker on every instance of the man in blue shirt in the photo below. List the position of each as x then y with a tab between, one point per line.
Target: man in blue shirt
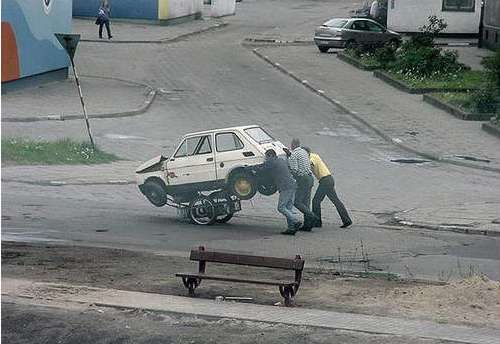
277	169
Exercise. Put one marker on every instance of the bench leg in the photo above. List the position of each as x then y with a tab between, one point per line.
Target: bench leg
191	283
288	294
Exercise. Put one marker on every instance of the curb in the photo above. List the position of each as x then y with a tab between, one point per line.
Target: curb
160	41
378	131
355	63
455	110
400	85
491	129
445	228
65	183
271	41
140	110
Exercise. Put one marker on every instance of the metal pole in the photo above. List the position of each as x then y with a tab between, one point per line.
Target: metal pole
481	26
83	104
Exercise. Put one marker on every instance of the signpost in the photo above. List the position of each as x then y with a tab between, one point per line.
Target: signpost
69	42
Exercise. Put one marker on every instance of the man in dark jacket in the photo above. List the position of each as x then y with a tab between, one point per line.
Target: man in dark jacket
277	169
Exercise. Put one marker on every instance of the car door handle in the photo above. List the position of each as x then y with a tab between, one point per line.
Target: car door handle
210	159
221	164
248	154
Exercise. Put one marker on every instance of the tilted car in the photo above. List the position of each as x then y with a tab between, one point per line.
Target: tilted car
353	32
219	159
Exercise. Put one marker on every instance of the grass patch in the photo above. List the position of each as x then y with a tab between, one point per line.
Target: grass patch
462	100
467	79
63	152
366	59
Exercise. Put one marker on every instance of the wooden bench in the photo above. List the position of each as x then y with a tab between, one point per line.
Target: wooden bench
288	289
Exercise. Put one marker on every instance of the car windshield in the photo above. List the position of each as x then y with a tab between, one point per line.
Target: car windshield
259	135
336	23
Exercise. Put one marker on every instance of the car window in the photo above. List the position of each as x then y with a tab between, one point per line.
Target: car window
336	23
359	25
227	142
188	147
259	135
205	147
374	27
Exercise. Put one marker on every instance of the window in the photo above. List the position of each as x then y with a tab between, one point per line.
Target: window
228	142
193	146
259	135
359	25
459	5
336	23
374	27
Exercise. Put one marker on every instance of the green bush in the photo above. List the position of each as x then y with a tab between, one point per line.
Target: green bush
484	100
419	58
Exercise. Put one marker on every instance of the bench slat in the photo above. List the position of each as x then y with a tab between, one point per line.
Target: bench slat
234	279
243	259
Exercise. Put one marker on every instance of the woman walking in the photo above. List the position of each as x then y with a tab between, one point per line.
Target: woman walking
103	18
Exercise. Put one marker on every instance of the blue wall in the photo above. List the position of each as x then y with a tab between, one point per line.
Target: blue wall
33	23
137	9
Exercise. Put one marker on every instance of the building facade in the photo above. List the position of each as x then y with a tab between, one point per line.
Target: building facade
462	16
29	47
491	24
146	10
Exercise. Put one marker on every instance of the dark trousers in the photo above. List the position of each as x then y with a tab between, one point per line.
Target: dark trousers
327	188
106	22
303	198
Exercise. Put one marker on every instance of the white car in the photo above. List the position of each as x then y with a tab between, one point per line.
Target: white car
218	159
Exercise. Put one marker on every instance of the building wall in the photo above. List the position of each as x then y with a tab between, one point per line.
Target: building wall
29	46
491	31
140	9
409	15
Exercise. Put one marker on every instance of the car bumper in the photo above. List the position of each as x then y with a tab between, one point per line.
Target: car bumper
333	42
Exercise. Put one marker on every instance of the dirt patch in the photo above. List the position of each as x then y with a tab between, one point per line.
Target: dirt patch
473	301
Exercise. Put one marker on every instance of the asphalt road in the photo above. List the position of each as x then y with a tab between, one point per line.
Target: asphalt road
213	81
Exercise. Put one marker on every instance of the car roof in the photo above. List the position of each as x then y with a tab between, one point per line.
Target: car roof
221	129
352	19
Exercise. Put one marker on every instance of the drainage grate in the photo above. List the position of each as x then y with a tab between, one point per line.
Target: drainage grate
409	161
472	158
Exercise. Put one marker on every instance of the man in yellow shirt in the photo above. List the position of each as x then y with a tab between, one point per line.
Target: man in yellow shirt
326	188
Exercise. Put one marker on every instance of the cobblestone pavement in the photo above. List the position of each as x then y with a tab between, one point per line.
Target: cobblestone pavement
127	31
60	98
290	316
404	117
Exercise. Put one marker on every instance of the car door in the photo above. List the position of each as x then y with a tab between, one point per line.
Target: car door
233	150
357	32
375	33
193	162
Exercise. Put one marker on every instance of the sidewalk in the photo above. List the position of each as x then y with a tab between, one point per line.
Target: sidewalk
397	116
473	218
129	32
122	172
59	100
56	294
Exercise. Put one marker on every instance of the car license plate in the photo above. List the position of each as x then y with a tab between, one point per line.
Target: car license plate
323	42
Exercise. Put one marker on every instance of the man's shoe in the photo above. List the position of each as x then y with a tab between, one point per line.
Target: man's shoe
297	225
289	232
347	224
317	223
305	228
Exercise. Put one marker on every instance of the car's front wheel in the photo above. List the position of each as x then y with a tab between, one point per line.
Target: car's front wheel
242	185
323	49
155	193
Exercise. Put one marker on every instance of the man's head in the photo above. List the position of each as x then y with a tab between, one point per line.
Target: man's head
270	154
295	143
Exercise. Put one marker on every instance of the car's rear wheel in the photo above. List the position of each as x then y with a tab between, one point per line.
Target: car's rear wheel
351	44
323	49
155	193
267	189
242	185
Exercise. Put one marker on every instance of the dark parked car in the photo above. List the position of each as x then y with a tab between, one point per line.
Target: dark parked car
352	32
